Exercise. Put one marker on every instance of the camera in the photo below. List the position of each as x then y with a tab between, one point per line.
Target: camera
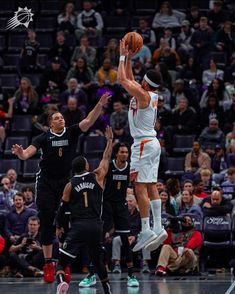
29	241
175	224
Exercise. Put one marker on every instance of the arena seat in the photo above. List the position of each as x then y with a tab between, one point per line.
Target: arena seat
31	167
175	166
6	164
182	143
93	163
117	23
21	125
16	42
2	42
14	140
197	221
9	81
94	146
10	62
45	24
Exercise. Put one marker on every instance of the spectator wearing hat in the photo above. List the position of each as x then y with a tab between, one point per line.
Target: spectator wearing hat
217	16
86	51
211	136
61	49
163	113
52	80
201	42
197	159
216	205
219	164
185	49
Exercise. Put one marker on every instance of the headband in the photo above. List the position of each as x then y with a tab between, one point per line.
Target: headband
150	82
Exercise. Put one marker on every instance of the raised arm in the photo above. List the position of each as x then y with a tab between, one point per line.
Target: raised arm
103	167
131	86
10	107
23	154
87	122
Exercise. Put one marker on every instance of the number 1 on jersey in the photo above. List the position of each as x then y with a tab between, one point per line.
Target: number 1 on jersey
85	199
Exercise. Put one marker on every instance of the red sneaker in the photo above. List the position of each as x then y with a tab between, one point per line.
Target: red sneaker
161	271
49	273
67	275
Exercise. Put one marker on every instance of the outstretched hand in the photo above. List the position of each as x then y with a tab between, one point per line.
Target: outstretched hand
17	150
105	99
109	133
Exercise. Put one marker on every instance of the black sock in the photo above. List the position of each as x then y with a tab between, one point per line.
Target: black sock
48	260
130	271
59	278
106	287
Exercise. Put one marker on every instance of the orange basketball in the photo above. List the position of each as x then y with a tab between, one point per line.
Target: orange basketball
134	41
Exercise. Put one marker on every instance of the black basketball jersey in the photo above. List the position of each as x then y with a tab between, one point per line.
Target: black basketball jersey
57	151
86	197
117	181
89	20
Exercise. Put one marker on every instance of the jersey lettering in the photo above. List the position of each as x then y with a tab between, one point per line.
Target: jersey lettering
60	143
83	186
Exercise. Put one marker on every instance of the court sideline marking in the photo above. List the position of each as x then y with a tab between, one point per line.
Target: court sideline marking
230	289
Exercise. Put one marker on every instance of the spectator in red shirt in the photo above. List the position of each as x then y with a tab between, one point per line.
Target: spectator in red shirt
199	189
181	249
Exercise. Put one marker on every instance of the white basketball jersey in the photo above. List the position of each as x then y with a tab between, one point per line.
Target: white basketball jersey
142	121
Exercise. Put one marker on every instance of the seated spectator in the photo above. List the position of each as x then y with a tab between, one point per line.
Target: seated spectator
160	185
6	195
138	70
112	52
211	136
219	164
61	49
119	116
188	206
74	91
180	89
167	206
28	192
229	72
17	218
166	17
121	134
106	76
188	186
67	19
119	9
194	17
41	122
181	249
4	115
183	119
173	187
185	49
26	98
206	177
201	42
164	114
212	110
29	53
224	39
199	189
89	22
146	32
168	37
196	159
84	51
162	68
144	56
135	227
228	186
165	54
230	140
26	254
217	16
216	88
73	114
52	81
191	72
212	73
12	175
82	73
216	205
162	136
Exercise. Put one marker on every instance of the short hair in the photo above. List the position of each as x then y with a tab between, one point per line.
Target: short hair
27	188
205	172
51	115
231	171
34	218
79	164
19	194
154	77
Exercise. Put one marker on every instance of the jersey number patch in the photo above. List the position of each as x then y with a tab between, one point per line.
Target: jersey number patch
60	152
85	199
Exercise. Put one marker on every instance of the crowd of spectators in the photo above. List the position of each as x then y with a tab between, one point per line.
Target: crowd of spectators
196	97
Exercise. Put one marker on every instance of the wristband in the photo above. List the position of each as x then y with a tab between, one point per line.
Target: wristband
122	58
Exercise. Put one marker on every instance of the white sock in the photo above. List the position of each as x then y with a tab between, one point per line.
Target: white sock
145	224
156	211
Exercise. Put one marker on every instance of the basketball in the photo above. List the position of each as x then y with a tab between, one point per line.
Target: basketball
134	41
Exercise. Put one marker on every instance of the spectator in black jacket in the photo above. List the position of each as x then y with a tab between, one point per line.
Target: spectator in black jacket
217	16
216	205
229	116
201	42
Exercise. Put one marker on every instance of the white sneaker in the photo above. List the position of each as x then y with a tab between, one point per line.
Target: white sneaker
154	244
62	288
145	237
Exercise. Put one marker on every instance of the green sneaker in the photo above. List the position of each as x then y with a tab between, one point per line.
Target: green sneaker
132	281
88	281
